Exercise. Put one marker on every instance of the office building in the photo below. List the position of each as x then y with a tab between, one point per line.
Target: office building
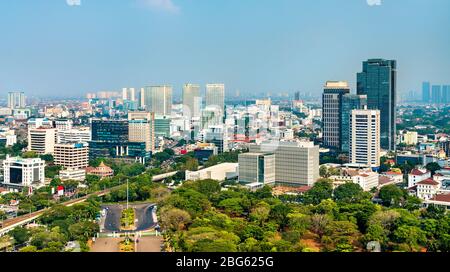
110	139
297	96
257	168
349	102
23	172
426	92
40	123
365	138
296	163
446	94
192	100
220	172
141	128
129	94
72	155
332	112
211	116
42	140
16	100
378	81
158	99
215	97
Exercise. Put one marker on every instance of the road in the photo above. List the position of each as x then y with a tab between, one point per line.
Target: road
9	224
143	215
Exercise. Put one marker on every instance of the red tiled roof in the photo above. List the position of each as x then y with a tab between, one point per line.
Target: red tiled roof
417	172
442	198
383	180
392	173
429	181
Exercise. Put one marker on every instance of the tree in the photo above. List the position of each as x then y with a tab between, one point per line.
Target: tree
29	155
318	224
232	206
260	213
47	157
348	192
410	235
20	235
174	219
322	189
392	195
191	164
433	167
323	171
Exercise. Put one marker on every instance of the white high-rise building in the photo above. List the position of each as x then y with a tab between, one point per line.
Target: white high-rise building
158	99
129	94
23	172
192	100
42	140
16	100
365	137
141	128
215	96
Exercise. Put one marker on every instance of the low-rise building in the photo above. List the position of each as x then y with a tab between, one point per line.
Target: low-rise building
427	189
365	178
218	172
103	171
19	172
417	175
257	167
72	174
72	155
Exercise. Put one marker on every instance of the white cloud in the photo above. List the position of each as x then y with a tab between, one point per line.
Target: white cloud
374	2
164	5
73	2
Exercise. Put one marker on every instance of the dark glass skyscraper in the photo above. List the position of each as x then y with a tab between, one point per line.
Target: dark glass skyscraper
332	112
349	102
378	81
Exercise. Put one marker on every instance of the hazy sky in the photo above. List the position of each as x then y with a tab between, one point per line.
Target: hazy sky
70	47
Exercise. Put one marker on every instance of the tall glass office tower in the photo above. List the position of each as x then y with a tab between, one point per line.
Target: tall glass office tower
436	96
332	112
378	81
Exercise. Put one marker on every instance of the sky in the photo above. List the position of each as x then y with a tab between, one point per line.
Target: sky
66	48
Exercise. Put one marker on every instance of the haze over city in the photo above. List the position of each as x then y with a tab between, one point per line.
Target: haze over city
68	48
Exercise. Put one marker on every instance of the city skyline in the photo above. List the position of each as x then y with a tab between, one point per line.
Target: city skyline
178	42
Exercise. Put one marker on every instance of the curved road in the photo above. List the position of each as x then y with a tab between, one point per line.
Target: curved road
143	215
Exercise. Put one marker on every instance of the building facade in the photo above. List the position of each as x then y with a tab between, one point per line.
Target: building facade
349	102
158	99
365	138
215	97
378	81
296	163
16	100
257	168
141	128
42	140
72	155
332	112
23	172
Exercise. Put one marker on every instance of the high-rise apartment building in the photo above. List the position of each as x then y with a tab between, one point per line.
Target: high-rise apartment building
378	81
72	155
192	100
296	163
257	167
16	100
349	102
80	134
365	137
158	99
141	128
42	140
436	97
332	112
63	124
426	92
129	94
215	97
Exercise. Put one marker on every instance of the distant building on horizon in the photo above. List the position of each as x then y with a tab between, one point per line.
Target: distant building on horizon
378	80
426	92
158	99
215	97
192	100
16	100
